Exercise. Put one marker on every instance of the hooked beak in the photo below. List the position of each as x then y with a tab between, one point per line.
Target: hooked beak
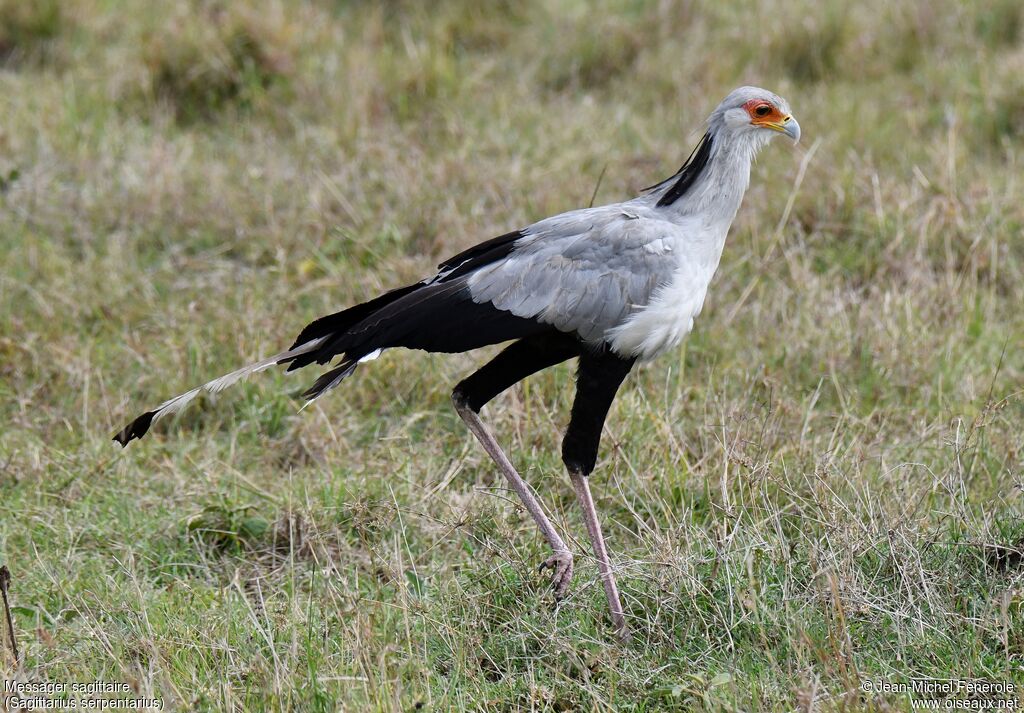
788	126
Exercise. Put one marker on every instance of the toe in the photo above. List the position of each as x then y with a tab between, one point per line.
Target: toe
560	565
562	579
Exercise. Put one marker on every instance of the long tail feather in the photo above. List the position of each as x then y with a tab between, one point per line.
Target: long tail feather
328	380
142	424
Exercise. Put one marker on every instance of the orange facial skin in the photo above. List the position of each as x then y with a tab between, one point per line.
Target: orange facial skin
764	113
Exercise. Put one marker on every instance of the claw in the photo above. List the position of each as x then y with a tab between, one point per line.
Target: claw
560	564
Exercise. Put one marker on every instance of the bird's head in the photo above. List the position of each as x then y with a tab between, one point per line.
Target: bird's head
754	114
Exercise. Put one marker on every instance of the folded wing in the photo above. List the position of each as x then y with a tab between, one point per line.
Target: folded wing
583	272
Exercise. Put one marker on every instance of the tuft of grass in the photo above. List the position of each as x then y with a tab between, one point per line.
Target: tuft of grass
592	52
28	30
227	527
812	49
999	23
1003	121
221	56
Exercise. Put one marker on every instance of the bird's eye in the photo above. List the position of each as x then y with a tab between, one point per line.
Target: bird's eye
763	110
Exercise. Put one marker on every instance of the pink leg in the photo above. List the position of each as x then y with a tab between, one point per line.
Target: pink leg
560	562
604	566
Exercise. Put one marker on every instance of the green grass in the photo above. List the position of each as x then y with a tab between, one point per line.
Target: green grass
822	486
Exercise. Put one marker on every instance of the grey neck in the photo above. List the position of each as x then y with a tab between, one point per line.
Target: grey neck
716	193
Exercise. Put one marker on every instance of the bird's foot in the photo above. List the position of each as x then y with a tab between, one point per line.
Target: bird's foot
624	634
560	564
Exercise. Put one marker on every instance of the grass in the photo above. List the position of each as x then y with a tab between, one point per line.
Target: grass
823	486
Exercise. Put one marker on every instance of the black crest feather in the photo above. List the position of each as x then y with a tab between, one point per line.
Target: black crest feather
689	172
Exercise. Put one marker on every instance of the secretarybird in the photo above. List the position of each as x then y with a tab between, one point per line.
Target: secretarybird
610	286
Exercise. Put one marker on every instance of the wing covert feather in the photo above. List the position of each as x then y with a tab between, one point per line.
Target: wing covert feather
582	272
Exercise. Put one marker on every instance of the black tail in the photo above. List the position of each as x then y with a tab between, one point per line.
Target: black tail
436	315
451	269
344	320
329	379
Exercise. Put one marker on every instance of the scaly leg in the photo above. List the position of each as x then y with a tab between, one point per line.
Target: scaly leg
561	561
518	361
604	565
599	377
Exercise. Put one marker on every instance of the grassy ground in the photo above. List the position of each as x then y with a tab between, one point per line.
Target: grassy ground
823	486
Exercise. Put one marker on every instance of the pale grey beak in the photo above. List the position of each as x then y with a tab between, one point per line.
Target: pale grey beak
791	128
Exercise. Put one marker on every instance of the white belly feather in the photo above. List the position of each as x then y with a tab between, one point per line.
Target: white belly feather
661	325
665	321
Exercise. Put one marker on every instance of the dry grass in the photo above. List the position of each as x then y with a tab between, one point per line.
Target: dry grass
823	485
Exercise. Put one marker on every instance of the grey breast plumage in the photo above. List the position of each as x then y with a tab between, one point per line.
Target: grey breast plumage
584	272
